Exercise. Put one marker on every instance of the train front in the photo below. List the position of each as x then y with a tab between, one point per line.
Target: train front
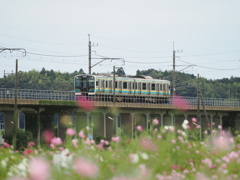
84	85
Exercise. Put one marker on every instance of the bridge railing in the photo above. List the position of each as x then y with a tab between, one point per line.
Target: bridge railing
70	95
38	94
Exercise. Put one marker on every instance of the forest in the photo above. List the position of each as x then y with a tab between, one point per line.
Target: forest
186	84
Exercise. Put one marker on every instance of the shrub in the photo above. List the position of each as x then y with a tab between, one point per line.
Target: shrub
23	137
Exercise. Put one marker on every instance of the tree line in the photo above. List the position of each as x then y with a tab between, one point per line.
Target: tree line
186	84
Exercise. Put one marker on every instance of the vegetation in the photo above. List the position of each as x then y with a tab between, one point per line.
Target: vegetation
159	154
186	84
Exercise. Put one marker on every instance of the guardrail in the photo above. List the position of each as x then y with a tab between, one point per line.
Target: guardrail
70	96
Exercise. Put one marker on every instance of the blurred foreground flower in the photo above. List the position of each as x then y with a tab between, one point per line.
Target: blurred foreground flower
180	103
85	103
48	136
39	169
85	168
70	132
221	141
147	144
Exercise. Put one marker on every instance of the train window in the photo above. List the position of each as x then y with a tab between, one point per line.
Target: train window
161	88
106	84
124	85
96	83
153	86
116	84
164	87
144	87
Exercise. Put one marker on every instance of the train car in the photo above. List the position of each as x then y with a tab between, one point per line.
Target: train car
126	89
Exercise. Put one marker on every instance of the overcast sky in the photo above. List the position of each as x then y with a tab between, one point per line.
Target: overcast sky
206	35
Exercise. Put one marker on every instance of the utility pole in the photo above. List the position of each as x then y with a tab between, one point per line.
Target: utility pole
198	100
174	71
89	54
174	74
15	118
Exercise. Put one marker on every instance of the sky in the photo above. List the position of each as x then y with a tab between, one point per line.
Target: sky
137	34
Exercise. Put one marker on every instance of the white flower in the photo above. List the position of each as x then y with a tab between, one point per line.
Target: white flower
185	124
144	156
134	158
19	169
64	159
166	127
4	162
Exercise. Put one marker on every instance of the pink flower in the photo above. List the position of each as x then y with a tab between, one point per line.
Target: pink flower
171	128
85	168
115	139
143	170
139	128
81	134
85	103
155	122
75	141
159	136
56	141
173	141
208	162
180	103
147	144
48	135
194	120
6	144
31	144
70	132
27	151
39	169
106	143
175	166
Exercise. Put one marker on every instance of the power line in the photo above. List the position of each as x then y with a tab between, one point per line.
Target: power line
208	67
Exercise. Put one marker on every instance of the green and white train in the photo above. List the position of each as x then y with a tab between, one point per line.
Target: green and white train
126	89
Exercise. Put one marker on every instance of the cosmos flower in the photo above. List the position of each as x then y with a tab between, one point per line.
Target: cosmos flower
155	122
70	132
81	134
185	124
48	136
56	141
115	139
139	128
180	103
39	169
85	103
85	168
147	144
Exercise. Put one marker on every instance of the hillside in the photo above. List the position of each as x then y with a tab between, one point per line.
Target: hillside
186	84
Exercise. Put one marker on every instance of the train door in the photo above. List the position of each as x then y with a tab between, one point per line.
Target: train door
161	89
110	86
129	88
102	86
125	88
157	88
148	88
120	87
139	88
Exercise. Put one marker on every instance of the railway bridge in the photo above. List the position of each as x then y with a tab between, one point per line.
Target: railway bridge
38	110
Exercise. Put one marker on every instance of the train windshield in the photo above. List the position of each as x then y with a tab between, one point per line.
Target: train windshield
84	84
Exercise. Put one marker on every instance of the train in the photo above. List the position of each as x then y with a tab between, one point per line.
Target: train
140	88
